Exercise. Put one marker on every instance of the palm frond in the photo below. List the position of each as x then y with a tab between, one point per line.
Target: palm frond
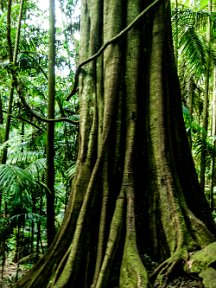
24	157
187	17
34	217
14	10
16	141
187	25
16	185
71	172
193	50
37	167
10	175
207	146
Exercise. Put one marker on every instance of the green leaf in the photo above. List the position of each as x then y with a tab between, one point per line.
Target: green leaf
10	175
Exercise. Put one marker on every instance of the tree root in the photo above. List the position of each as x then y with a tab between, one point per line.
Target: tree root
133	272
165	270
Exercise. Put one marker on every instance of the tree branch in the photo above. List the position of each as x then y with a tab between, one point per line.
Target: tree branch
25	120
112	40
36	115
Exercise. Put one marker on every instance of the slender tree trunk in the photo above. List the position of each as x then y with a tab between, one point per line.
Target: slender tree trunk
50	149
177	34
135	183
1	111
191	107
206	106
39	238
213	179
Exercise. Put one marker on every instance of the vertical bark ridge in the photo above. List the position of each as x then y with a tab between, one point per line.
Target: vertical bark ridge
158	133
73	262
174	219
133	273
103	223
157	119
91	29
116	228
111	80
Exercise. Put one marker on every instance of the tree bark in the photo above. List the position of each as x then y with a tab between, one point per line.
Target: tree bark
135	184
213	175
50	149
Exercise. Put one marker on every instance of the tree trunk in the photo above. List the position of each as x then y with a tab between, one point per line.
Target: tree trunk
50	149
135	191
206	103
213	174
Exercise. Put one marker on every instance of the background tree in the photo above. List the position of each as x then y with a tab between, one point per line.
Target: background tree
50	147
135	184
194	35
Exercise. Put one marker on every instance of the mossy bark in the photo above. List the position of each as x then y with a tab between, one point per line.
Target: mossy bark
135	190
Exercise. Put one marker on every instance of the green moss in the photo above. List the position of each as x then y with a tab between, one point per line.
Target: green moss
209	277
202	259
133	273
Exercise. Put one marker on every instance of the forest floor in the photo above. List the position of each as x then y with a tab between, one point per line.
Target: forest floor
13	272
181	280
185	282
